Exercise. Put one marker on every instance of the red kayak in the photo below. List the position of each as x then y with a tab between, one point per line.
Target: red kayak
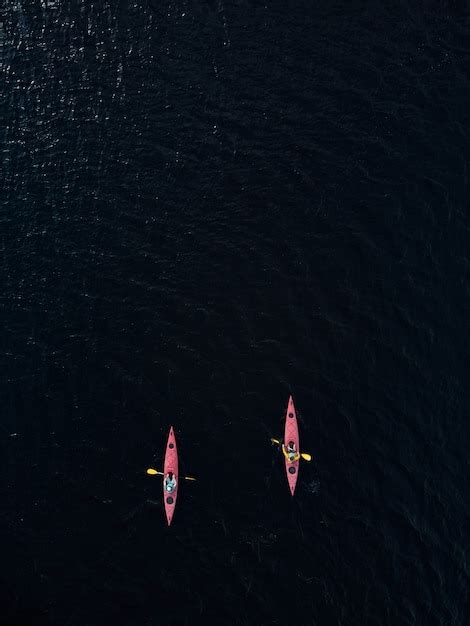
291	434
170	466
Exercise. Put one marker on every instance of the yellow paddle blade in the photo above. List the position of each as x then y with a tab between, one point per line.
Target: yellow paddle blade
189	478
306	457
275	440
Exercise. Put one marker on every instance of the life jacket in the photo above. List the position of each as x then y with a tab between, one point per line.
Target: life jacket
296	455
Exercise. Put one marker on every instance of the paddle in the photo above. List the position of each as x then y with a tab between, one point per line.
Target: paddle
304	455
152	472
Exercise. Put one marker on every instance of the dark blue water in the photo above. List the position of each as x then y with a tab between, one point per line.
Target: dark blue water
206	206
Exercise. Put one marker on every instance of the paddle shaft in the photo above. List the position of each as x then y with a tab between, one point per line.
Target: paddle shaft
152	472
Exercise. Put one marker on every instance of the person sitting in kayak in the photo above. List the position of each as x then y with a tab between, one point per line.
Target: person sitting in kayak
170	482
290	452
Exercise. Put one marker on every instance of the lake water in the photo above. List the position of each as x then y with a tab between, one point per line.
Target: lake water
207	206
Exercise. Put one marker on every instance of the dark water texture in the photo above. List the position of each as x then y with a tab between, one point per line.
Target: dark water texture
204	207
